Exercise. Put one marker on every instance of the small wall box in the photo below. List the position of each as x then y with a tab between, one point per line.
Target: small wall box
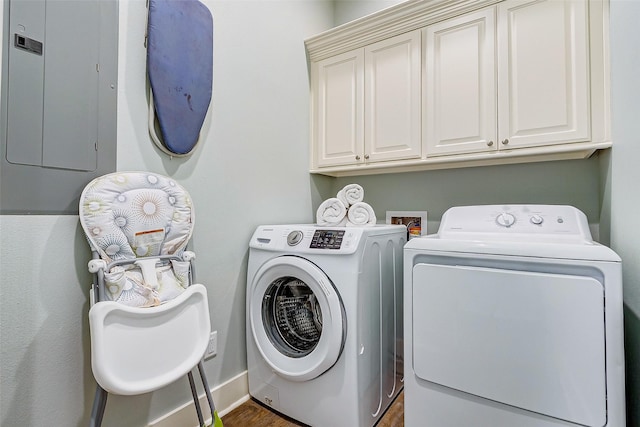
415	221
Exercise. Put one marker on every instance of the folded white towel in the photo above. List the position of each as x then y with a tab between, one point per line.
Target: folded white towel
360	214
350	194
331	212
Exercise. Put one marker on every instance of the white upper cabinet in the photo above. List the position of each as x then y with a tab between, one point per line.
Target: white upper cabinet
367	106
541	66
392	99
338	113
460	85
457	83
543	73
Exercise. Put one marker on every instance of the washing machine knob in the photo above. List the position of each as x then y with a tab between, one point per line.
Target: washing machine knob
294	237
506	219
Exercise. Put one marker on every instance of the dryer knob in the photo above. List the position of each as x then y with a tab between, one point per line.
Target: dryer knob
505	219
294	237
537	220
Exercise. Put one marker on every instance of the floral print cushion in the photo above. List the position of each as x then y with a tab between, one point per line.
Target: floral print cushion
129	215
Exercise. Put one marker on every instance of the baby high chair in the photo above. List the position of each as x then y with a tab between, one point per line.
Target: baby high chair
149	323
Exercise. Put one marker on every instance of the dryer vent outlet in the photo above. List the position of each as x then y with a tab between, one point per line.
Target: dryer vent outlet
212	348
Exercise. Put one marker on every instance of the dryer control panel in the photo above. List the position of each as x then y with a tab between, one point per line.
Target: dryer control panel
537	222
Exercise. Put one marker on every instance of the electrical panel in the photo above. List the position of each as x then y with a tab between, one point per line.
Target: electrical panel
58	108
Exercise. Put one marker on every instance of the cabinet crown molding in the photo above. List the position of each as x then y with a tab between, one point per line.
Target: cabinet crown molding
389	22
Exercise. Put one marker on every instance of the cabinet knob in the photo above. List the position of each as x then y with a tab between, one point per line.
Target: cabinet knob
357	157
366	156
489	144
505	141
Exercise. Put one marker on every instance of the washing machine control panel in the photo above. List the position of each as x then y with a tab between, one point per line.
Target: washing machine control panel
327	239
306	239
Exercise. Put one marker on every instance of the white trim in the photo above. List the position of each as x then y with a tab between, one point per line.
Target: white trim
227	397
389	22
576	150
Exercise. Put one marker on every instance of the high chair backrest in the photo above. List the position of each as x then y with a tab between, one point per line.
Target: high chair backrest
130	219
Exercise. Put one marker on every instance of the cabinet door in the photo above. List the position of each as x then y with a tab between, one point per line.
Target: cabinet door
460	85
543	72
338	130
392	99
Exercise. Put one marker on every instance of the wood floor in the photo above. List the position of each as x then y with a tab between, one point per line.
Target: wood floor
254	414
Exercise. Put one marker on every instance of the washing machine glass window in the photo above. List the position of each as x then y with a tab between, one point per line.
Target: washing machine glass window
292	316
297	318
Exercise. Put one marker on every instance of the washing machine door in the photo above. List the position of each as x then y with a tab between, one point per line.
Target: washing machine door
297	318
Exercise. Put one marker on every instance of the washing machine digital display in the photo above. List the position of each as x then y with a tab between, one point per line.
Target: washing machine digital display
327	239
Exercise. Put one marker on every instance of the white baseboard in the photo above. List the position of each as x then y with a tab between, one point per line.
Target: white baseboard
226	397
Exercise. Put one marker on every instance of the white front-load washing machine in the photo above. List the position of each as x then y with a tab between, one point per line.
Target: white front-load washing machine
324	321
513	317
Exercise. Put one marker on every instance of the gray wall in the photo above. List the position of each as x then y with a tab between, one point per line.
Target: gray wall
252	169
348	10
574	182
624	176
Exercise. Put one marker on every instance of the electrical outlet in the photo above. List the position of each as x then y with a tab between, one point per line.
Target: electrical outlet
212	348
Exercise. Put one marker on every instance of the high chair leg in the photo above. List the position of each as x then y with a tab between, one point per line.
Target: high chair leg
99	405
215	419
196	400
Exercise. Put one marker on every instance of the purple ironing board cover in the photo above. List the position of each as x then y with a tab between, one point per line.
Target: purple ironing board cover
180	68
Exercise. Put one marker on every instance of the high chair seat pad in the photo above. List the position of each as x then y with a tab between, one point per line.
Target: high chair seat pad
136	214
129	215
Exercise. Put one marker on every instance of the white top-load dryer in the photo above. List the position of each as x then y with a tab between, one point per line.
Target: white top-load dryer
513	317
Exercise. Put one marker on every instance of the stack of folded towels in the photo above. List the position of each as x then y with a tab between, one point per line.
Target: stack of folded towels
346	209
